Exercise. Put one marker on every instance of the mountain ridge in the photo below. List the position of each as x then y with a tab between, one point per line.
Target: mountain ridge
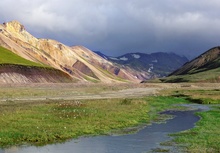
205	60
14	37
159	64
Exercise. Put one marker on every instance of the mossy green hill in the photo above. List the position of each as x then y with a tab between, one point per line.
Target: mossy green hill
8	57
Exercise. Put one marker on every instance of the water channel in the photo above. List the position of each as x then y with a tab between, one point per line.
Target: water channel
141	142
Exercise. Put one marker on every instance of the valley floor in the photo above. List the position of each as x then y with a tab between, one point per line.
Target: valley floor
68	91
30	110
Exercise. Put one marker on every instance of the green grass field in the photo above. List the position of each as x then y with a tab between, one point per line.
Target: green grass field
51	121
8	57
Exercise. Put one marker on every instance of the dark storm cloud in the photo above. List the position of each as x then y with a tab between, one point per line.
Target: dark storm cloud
116	27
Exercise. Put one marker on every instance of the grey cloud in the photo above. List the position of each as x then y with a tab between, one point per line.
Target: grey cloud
116	27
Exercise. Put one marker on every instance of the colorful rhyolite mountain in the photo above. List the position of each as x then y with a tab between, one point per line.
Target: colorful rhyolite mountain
78	62
15	69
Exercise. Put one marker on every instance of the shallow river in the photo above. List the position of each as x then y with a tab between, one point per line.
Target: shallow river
144	140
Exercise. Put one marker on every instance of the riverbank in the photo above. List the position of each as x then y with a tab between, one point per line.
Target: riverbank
143	140
204	137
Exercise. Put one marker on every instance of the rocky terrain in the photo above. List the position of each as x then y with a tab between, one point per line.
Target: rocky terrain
78	62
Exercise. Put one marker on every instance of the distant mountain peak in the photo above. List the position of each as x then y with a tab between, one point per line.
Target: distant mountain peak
157	64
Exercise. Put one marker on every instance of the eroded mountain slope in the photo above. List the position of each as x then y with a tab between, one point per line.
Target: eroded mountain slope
78	61
15	69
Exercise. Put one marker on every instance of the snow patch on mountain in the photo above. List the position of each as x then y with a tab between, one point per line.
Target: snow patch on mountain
123	58
136	56
151	68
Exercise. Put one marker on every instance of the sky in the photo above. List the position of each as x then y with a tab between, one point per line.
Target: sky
116	27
